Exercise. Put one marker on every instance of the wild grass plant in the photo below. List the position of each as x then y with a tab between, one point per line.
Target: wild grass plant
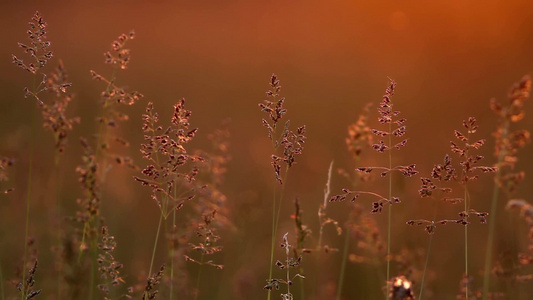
190	243
286	144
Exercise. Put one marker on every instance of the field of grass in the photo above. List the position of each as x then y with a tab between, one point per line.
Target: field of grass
192	171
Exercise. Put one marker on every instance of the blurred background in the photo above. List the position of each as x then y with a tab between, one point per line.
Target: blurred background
449	59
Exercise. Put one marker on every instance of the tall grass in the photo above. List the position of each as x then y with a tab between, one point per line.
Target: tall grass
395	128
39	55
196	221
286	145
508	142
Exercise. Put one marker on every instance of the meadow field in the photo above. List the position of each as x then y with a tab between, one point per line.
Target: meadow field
266	150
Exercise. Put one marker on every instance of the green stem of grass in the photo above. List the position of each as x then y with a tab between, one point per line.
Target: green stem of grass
492	227
197	289
466	243
102	138
466	225
273	240
58	216
163	210
425	268
493	211
346	247
172	249
390	212
428	252
321	213
154	249
275	222
288	273
102	130
343	263
28	197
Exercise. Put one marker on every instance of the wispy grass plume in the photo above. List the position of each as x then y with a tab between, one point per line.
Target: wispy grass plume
394	129
288	144
508	142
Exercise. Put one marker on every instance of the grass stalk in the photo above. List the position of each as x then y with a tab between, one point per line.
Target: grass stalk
172	248
273	241
493	211
288	270
161	218
57	176
154	249
197	289
466	225
490	241
428	253
102	130
343	263
275	222
390	211
28	192
466	243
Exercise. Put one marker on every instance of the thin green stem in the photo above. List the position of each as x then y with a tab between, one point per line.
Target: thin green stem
99	147
428	252
172	249
324	205
273	239
155	244
154	248
492	227
161	217
102	128
58	216
390	212
288	272
425	267
345	249
280	201
275	222
493	211
466	225
343	264
466	243
197	291
28	197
